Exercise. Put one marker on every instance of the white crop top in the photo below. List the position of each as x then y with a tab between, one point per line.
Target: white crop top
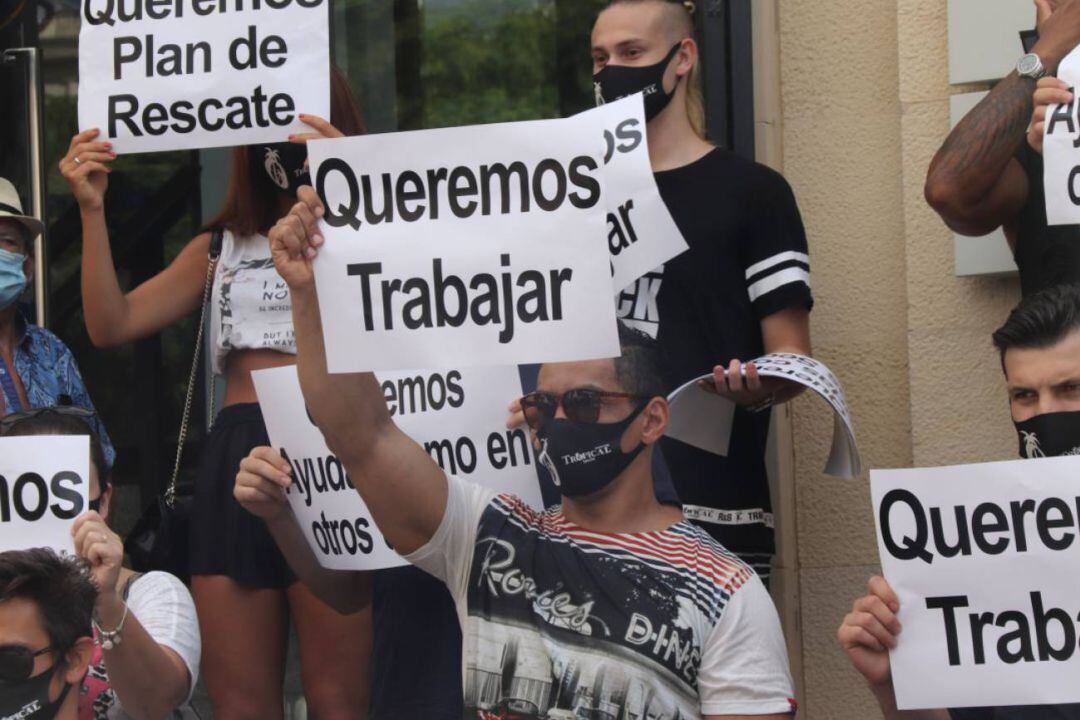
250	308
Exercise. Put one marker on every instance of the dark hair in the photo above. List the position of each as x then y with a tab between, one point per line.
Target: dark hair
1041	320
55	423
640	368
59	585
251	203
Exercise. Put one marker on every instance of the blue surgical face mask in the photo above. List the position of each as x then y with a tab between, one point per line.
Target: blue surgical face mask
12	277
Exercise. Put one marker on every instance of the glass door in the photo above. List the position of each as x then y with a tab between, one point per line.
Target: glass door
152	210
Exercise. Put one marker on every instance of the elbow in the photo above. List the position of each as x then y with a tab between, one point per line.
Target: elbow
958	213
352	448
102	338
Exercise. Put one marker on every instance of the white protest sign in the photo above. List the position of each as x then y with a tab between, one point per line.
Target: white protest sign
464	246
458	416
182	74
1061	158
983	559
701	418
44	486
641	233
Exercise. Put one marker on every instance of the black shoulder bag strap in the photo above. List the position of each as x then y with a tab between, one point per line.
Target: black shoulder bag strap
216	240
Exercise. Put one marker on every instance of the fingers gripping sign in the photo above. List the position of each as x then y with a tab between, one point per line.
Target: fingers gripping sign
870	630
86	168
1049	91
262	482
101	547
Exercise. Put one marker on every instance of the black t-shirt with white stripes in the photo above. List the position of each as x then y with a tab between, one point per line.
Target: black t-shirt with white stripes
747	260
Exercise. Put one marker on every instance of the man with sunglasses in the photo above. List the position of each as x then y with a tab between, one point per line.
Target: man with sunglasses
611	602
46	601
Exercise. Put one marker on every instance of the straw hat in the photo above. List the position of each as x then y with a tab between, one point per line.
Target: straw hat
11	207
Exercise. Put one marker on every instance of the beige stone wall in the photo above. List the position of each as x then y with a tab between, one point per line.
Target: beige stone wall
852	104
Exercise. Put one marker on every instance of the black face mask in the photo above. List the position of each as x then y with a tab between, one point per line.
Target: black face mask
1050	435
615	82
283	163
586	457
29	699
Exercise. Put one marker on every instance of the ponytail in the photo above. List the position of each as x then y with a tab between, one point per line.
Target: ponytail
695	99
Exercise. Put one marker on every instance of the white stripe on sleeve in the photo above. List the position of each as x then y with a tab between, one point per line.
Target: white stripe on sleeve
776	260
783	277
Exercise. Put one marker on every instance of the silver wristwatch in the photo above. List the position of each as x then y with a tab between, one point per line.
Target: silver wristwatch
1030	66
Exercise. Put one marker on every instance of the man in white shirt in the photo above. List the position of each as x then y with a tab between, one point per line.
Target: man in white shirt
610	603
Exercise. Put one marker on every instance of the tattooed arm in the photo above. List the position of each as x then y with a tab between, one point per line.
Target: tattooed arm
974	182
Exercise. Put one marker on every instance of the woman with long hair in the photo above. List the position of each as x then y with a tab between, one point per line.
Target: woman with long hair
244	590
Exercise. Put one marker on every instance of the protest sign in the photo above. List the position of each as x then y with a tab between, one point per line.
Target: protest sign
1061	156
182	74
464	246
641	234
44	486
983	559
701	418
458	416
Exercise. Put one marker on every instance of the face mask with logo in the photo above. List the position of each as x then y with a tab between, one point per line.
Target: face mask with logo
584	458
283	163
29	699
615	82
1050	435
12	277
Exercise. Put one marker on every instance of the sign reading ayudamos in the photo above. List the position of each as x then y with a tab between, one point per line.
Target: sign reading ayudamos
983	559
478	245
457	416
181	74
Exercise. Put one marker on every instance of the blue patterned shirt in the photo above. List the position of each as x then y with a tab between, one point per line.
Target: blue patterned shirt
48	370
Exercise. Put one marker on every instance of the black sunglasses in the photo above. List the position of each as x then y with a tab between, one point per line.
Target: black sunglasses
9	421
580	405
17	662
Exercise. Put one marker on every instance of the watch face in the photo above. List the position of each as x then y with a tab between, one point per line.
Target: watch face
1029	64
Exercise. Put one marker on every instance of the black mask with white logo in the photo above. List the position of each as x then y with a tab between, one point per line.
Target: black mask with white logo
1050	435
584	458
615	82
283	163
29	699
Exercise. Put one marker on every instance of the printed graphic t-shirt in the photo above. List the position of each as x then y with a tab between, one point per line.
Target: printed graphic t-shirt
251	308
747	259
562	622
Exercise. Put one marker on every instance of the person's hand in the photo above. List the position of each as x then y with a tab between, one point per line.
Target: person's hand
102	548
320	129
261	483
869	631
1049	90
86	169
1058	23
740	383
295	239
517	415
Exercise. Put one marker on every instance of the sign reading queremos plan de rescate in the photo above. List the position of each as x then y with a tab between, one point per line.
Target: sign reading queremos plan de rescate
180	74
